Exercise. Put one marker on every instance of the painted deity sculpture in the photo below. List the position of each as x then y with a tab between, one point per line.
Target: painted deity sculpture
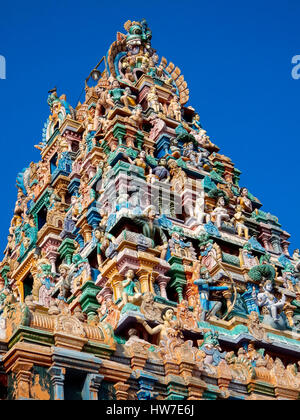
220	213
136	119
210	346
104	241
208	254
47	286
130	291
206	286
88	257
174	109
244	201
266	299
158	125
153	101
160	172
151	229
178	176
199	209
169	327
239	222
180	247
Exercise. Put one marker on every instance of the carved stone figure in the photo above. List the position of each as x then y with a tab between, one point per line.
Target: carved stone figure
178	176
210	346
150	308
255	327
151	229
244	201
220	213
174	109
239	223
130	290
267	299
158	125
153	101
205	284
199	209
161	172
181	248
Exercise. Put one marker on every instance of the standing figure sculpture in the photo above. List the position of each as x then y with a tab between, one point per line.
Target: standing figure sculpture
238	221
153	101
205	286
244	201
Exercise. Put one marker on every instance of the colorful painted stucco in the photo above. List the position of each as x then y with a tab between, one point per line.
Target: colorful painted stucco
136	266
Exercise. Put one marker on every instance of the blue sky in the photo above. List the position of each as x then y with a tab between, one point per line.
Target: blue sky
236	57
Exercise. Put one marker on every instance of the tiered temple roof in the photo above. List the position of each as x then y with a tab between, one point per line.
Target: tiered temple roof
136	266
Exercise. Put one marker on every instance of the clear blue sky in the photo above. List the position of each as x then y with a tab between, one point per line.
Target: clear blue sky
235	55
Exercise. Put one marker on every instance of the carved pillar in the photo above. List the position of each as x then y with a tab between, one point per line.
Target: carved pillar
265	238
145	279
178	276
66	250
224	376
52	257
162	281
91	386
85	230
23	374
196	388
285	247
119	132
121	390
146	383
50	246
57	379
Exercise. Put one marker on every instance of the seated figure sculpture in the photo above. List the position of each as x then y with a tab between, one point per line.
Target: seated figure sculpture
267	299
152	230
160	172
211	347
220	213
130	291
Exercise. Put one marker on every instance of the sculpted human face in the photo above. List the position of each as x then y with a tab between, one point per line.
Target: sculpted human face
115	84
244	192
221	201
168	316
268	287
130	274
152	214
62	271
102	212
98	234
162	162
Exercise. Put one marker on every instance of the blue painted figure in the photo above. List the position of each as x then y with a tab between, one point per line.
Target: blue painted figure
205	287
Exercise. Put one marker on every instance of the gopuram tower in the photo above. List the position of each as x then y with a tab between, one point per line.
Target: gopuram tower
137	267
